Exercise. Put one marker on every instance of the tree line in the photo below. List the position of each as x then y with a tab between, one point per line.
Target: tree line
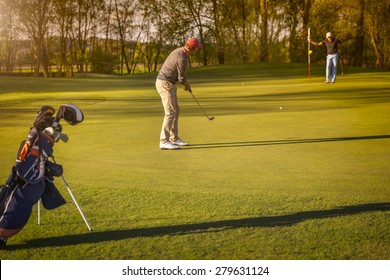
64	37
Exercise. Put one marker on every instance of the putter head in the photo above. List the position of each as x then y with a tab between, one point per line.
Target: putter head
211	118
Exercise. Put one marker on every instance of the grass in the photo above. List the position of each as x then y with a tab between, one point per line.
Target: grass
289	168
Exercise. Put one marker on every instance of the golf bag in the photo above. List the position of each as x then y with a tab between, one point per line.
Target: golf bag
32	176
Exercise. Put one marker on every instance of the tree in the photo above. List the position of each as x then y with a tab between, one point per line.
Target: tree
217	23
123	14
264	56
8	38
35	17
87	14
197	10
121	34
298	22
153	18
357	57
378	25
64	18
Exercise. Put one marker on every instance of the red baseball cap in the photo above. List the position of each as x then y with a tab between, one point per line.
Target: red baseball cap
194	43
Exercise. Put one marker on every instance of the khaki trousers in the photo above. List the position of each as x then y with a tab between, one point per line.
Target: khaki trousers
168	94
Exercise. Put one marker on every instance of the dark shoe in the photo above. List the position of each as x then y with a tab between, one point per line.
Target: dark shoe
3	241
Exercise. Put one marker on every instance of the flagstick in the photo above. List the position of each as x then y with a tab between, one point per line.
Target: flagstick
308	52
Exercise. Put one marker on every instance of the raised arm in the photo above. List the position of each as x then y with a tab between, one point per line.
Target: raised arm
315	43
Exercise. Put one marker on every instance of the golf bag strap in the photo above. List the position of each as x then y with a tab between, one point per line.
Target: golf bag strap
38	153
24	149
25	146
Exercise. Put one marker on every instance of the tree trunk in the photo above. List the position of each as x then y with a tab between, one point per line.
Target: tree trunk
264	55
378	55
357	57
305	26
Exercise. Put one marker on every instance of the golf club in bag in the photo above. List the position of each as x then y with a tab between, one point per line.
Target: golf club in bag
209	118
32	176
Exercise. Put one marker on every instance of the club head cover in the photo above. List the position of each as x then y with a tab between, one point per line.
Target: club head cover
70	113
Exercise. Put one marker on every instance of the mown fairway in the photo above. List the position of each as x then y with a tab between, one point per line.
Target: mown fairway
289	169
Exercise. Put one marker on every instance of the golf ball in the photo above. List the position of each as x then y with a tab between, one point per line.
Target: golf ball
243	84
280	108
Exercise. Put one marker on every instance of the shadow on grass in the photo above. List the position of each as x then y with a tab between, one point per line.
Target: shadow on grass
282	142
271	221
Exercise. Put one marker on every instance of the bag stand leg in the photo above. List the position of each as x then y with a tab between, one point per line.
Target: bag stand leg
39	211
75	201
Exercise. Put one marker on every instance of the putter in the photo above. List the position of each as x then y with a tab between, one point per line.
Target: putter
209	118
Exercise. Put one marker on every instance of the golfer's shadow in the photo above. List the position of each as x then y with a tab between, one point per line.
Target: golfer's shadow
270	221
282	142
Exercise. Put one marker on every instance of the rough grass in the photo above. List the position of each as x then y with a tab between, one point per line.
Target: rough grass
289	168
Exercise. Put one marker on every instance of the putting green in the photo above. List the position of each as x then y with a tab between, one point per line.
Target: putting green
288	169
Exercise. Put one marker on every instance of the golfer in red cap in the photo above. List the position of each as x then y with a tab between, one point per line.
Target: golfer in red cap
173	71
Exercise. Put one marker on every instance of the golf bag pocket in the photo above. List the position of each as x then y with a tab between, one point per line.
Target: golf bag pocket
30	169
53	169
31	192
20	200
51	197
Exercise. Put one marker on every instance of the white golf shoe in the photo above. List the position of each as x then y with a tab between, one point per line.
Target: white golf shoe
180	142
168	146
